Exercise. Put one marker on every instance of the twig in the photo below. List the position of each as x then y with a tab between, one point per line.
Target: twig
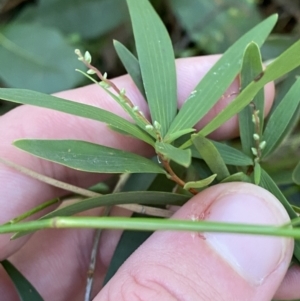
173	175
85	192
93	261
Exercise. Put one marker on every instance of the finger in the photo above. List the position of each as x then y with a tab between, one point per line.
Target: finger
22	193
56	263
185	266
289	288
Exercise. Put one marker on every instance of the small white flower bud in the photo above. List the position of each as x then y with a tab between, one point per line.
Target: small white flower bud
262	145
254	151
256	137
87	57
157	125
122	92
149	127
91	71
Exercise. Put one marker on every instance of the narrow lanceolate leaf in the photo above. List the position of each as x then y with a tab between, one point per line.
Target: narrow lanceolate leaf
134	197
201	183
286	62
251	67
230	155
180	156
74	108
267	183
217	80
177	135
131	65
156	58
25	290
280	119
237	177
86	156
211	156
296	174
257	173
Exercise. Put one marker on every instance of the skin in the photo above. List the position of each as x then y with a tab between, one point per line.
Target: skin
56	262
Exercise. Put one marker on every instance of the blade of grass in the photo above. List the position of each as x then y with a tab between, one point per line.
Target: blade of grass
251	67
121	198
24	288
211	156
157	62
55	103
135	197
280	119
150	224
218	79
131	64
86	156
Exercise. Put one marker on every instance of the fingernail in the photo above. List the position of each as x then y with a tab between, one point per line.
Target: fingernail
253	257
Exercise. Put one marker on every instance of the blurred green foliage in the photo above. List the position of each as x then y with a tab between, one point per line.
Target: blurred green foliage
37	38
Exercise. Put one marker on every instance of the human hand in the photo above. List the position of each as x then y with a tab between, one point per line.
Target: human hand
169	265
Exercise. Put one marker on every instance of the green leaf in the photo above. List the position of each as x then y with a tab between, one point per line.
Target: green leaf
281	177
156	58
86	18
201	183
230	155
267	183
128	243
237	177
217	80
276	44
86	156
280	119
251	67
74	108
286	62
257	173
131	65
139	182
296	174
134	197
28	63
211	156
25	290
177	135
182	157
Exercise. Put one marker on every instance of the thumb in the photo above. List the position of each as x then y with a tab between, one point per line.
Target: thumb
209	266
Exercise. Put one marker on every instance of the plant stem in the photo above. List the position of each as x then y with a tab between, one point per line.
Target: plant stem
173	175
152	224
33	211
85	192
